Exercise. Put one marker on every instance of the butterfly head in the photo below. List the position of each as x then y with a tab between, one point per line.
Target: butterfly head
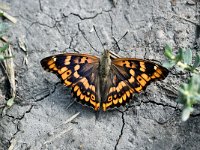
106	53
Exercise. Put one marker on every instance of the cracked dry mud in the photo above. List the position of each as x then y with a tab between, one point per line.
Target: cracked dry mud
39	119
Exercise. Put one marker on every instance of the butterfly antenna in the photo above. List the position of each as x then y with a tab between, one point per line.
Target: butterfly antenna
119	40
98	37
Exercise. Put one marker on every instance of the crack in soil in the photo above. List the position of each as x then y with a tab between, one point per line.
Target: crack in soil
195	115
11	139
40	5
48	94
72	40
85	18
122	130
21	117
153	102
115	45
160	104
42	24
83	34
18	123
150	101
91	17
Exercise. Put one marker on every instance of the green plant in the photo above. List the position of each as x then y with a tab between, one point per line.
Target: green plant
5	53
189	92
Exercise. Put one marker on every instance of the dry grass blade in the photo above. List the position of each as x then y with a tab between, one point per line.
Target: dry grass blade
9	69
13	143
57	135
22	45
4	39
58	132
188	20
9	17
70	119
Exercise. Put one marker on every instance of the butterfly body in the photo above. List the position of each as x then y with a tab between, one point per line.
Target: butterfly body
104	82
104	71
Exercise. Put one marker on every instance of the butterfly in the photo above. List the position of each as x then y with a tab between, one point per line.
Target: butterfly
105	82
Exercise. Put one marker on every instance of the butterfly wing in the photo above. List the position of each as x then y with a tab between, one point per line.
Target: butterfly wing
128	76
78	71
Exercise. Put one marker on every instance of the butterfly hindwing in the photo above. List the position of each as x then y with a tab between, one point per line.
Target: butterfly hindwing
78	71
128	76
118	91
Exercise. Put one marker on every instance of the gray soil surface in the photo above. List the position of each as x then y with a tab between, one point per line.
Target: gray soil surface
42	117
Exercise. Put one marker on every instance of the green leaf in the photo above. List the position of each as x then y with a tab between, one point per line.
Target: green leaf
187	56
5	47
168	52
197	98
169	64
5	57
186	113
168	48
196	62
190	84
189	94
10	102
196	82
179	56
2	57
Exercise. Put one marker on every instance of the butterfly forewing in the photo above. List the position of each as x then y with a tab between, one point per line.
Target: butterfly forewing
130	76
78	71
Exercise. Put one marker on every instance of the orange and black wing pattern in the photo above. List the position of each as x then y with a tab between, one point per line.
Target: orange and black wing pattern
78	71
129	76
